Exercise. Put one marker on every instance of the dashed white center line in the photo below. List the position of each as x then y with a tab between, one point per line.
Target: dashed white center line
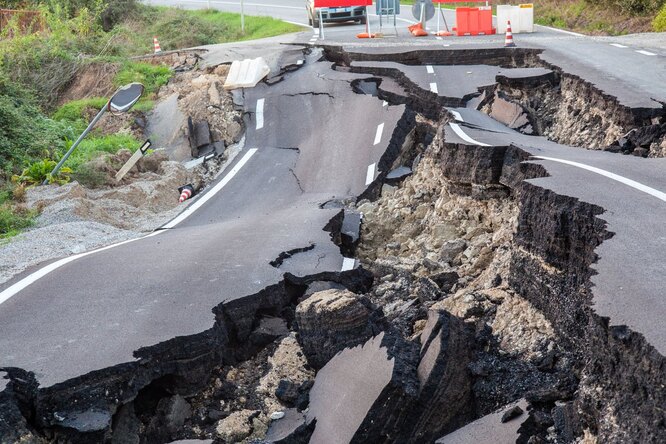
378	134
385	103
617	45
456	128
316	31
433	88
647	53
348	263
300	61
260	113
430	69
370	176
438	38
632	183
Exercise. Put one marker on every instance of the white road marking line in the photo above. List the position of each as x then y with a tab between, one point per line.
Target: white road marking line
617	45
433	88
32	278
632	183
260	113
438	38
300	62
370	175
378	134
430	69
213	191
647	53
316	31
456	115
385	103
348	263
562	31
456	128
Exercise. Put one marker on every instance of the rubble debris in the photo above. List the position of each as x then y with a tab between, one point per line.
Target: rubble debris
332	320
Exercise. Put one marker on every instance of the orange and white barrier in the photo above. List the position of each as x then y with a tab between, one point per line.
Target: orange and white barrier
156	45
186	192
508	40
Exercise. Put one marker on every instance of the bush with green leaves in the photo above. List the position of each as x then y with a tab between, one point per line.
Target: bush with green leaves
38	172
659	22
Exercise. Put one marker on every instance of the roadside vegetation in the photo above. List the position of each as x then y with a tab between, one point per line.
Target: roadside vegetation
595	17
40	56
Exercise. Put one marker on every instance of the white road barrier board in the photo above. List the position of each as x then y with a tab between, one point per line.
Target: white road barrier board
246	73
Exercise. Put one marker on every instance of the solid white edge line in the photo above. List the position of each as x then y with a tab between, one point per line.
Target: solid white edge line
617	45
378	134
246	4
456	128
348	263
632	183
438	38
370	175
260	113
456	115
647	53
562	31
433	88
34	277
213	191
430	69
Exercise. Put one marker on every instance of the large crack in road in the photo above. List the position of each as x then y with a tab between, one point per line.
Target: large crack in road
474	286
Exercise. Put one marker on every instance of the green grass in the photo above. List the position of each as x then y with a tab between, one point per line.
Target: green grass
74	111
659	22
151	76
13	220
93	146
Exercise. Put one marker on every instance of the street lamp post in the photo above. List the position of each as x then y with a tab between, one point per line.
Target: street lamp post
121	101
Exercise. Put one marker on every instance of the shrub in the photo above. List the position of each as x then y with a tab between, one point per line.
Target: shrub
40	171
659	22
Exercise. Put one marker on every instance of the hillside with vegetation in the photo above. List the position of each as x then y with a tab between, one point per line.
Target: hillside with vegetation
40	56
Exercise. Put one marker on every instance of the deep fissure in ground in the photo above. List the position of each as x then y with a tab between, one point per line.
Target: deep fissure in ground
476	282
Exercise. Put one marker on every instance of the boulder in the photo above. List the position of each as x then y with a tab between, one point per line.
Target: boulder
330	321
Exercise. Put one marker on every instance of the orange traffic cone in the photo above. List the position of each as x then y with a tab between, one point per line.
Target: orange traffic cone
156	44
186	192
508	41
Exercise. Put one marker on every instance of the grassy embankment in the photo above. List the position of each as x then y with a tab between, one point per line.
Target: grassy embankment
35	70
595	17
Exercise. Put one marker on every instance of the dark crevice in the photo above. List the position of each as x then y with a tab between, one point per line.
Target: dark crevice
277	262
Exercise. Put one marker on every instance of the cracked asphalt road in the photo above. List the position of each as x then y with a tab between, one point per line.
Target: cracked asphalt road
97	310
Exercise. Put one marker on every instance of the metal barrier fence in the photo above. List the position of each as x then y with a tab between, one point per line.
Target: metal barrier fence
27	22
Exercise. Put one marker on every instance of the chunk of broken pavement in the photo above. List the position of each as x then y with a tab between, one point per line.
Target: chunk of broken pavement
444	401
330	321
364	392
512	413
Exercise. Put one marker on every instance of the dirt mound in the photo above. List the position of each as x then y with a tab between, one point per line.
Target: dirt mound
90	80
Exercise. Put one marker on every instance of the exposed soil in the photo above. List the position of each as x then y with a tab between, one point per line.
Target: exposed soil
474	287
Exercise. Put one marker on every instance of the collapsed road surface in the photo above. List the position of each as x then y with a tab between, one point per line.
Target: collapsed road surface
109	346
